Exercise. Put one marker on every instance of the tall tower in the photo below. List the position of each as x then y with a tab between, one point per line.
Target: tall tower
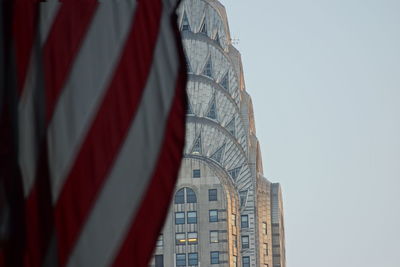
221	211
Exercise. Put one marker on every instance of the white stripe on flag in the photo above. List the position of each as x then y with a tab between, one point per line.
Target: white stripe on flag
121	195
89	80
27	122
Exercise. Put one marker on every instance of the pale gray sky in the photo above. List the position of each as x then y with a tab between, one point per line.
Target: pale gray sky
325	80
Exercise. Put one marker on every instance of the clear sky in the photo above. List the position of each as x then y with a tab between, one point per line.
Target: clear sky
324	76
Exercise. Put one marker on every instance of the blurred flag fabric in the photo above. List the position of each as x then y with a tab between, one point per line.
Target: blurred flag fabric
92	129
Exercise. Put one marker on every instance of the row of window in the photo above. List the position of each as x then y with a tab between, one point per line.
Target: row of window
191	217
191	238
193	259
185	26
187	195
180	238
212	217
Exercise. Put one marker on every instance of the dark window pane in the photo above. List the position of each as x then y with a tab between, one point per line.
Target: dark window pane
214	255
192	217
180	197
246	261
196	173
190	196
193	259
212	195
159	260
245	241
180	259
245	221
185	23
179	218
213	216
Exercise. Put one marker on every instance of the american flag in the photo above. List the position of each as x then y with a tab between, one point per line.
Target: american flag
98	126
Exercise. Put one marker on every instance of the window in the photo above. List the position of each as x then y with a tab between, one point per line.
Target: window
213	215
243	197
265	249
218	155
214	255
180	259
196	173
245	221
245	241
190	196
217	39
212	111
225	81
264	226
192	217
192	238
246	262
234	219
235	241
212	195
207	71
231	127
180	239
193	259
196	149
185	23
160	241
214	237
235	261
179	218
234	173
203	28
159	260
180	196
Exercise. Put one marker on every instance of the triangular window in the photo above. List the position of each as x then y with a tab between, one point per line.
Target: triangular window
203	28
188	68
243	197
185	23
197	146
225	81
231	127
217	156
207	71
189	108
234	173
217	40
212	111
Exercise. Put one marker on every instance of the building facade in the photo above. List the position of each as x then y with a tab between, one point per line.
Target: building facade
221	213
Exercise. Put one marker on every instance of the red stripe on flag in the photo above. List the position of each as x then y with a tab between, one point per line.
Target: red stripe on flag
62	45
24	34
138	246
39	215
60	49
108	130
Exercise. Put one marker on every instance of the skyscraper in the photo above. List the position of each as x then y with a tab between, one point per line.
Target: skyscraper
221	214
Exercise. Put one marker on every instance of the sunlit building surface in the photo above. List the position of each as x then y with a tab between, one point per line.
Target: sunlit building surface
224	211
